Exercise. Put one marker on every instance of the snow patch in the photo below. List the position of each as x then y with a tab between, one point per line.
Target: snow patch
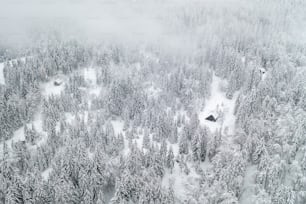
49	88
90	75
152	91
118	126
46	173
37	122
220	107
90	154
18	136
263	73
95	91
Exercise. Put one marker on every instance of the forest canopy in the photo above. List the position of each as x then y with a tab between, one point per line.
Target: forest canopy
148	101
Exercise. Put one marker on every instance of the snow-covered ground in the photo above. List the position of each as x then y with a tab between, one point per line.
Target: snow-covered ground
90	76
49	88
45	174
152	91
18	135
220	107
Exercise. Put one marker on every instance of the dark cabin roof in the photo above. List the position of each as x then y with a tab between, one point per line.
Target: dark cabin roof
57	83
211	118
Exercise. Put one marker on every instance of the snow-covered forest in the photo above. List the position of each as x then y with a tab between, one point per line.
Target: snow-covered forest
153	102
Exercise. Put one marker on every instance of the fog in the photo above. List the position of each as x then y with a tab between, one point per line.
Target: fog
22	22
133	22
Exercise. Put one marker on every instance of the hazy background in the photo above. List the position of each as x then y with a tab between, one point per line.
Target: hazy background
156	22
22	22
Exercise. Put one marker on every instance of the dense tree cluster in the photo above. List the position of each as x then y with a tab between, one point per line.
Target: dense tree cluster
122	143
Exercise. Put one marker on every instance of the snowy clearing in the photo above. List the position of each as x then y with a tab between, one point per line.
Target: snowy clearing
155	101
45	174
50	88
90	75
219	106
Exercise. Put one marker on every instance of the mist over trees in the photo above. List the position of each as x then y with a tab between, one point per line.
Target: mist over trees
124	121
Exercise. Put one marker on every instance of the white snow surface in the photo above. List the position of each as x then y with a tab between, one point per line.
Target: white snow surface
118	128
219	106
45	174
49	88
152	91
19	134
90	75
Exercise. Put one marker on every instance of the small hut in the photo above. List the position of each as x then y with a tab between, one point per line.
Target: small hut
262	70
57	83
211	118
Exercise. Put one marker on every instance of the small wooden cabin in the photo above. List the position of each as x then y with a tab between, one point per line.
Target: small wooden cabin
211	118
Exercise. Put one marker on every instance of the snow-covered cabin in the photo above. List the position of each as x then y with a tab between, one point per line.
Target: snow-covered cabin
262	70
211	118
57	82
